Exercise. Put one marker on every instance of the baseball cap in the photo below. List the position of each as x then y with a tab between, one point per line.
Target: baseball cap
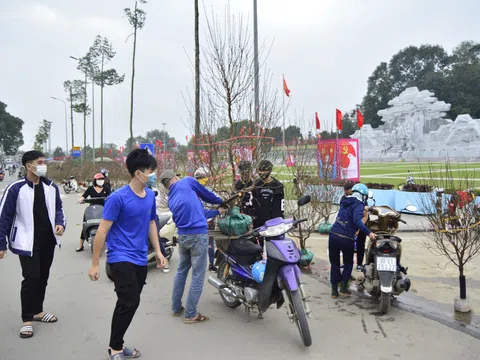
166	176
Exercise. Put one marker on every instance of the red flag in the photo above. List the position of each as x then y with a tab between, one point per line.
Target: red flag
317	122
360	119
285	88
186	138
339	118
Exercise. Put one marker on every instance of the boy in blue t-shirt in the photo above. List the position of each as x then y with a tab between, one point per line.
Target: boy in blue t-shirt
128	221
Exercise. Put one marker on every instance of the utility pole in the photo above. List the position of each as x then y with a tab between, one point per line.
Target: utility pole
71	118
164	138
66	124
256	65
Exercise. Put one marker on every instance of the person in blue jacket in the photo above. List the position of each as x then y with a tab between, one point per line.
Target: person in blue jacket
185	202
342	237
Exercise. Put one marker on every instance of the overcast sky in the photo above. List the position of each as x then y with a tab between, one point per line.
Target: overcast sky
327	49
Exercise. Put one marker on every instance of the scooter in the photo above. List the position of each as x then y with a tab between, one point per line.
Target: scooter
384	276
71	184
281	282
93	215
167	235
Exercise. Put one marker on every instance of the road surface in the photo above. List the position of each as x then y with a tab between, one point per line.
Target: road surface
341	329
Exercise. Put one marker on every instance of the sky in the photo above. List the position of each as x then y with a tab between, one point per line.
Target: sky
326	49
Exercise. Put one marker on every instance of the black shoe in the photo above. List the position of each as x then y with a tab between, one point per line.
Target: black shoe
79	249
359	268
212	268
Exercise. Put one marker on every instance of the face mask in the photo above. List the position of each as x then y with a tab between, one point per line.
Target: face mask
203	181
40	170
100	182
152	179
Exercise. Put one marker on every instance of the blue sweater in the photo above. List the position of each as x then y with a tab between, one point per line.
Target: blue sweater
186	207
349	218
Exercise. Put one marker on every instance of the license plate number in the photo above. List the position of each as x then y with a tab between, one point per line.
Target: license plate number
386	264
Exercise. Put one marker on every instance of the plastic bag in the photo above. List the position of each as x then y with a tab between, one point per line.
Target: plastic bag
235	223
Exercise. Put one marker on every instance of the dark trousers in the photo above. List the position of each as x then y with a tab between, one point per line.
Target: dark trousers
211	250
361	238
35	272
337	244
129	280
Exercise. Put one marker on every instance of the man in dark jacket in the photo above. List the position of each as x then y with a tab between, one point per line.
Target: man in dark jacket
268	195
245	184
342	237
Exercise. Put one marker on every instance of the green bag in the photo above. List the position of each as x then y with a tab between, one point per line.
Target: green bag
235	223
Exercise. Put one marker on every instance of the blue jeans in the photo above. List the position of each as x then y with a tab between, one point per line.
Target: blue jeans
193	254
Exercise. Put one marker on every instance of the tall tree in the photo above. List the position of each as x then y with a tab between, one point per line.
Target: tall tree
102	52
11	137
58	152
197	76
136	18
42	135
70	88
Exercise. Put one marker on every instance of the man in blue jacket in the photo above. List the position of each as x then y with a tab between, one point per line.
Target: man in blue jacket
32	218
342	237
184	201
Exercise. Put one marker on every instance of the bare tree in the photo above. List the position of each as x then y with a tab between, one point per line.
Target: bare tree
197	75
456	233
136	18
78	102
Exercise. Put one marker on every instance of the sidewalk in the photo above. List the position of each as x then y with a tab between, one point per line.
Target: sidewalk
433	278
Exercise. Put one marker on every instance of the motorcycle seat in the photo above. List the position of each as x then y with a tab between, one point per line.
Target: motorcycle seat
71	177
163	220
244	248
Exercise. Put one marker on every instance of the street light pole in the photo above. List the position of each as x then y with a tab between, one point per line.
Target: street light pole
66	124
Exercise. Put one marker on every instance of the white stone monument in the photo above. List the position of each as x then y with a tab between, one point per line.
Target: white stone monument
415	128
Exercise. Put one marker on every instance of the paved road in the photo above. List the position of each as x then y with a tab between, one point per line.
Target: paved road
347	328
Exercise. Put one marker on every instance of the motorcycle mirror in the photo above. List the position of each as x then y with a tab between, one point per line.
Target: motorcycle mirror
370	194
411	208
304	200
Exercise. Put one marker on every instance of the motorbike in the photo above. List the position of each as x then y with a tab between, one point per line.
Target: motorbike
71	184
93	215
167	235
410	181
281	283
384	277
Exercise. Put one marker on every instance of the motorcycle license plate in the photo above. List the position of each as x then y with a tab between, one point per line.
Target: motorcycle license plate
386	264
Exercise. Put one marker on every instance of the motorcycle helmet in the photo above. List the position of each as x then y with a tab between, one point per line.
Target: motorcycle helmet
201	173
360	191
258	271
264	168
104	171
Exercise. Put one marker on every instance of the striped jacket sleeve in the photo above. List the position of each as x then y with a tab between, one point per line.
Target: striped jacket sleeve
8	208
59	212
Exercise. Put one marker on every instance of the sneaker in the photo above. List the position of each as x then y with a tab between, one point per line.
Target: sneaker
166	269
212	268
359	268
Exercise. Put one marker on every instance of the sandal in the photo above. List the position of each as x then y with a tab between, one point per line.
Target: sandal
47	318
119	356
199	318
131	353
79	249
180	312
26	331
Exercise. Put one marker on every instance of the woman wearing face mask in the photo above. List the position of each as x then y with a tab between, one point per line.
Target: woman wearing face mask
97	190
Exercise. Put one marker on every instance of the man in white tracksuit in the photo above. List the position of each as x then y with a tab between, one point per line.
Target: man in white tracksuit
32	218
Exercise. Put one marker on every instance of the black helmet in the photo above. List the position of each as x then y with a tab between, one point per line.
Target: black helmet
244	166
265	165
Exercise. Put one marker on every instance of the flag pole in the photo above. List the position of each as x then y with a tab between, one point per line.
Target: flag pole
283	111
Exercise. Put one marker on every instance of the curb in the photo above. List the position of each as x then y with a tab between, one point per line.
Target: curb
441	318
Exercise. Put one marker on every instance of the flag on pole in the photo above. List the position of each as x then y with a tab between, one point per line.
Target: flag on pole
360	119
339	118
317	124
285	88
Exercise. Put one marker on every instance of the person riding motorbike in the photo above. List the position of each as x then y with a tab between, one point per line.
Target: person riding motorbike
107	186
245	184
268	195
202	175
96	190
342	237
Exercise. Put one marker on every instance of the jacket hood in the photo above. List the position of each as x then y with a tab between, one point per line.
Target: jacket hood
350	201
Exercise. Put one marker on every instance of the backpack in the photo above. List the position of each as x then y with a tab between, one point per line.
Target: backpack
235	223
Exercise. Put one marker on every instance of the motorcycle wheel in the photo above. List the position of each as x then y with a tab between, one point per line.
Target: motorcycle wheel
229	301
79	189
108	271
168	249
384	302
300	316
67	191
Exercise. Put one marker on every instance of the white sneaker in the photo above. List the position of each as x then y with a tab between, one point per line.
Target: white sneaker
166	269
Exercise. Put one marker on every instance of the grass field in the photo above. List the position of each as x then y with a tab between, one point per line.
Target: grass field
395	173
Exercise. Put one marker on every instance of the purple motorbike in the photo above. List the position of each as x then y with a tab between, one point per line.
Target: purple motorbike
279	282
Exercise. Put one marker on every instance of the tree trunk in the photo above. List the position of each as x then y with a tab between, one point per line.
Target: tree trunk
84	152
463	284
132	85
101	113
197	79
93	119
